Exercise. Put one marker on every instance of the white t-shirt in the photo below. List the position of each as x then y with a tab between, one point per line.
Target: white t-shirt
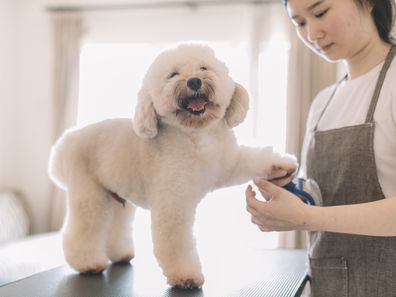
349	107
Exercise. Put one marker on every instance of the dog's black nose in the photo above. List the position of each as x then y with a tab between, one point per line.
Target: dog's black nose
194	83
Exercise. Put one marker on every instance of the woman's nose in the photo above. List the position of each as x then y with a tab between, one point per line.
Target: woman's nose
314	31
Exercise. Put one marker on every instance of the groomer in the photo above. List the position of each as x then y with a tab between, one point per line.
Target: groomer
349	150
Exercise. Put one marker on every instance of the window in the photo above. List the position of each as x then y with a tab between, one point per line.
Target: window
110	78
111	75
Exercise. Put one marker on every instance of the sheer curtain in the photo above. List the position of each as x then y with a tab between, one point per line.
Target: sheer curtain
67	33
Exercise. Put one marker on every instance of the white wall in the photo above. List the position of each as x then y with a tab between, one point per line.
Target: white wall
7	90
25	52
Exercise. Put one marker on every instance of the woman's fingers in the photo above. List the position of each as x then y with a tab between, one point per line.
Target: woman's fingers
251	200
267	189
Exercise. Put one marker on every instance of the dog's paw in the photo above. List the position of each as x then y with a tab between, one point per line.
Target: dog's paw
84	257
87	264
185	281
121	251
93	268
122	258
283	165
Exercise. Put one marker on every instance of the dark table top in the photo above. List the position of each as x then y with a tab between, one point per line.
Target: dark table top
255	272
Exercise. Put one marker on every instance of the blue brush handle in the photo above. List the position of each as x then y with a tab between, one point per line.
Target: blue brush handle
296	189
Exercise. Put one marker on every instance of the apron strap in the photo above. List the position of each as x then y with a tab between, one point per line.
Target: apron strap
374	100
380	82
328	101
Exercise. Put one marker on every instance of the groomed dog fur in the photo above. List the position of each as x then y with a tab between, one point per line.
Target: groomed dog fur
179	146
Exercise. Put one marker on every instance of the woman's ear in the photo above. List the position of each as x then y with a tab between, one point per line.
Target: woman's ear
238	108
145	121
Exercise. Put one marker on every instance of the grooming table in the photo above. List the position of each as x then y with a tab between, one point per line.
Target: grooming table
250	273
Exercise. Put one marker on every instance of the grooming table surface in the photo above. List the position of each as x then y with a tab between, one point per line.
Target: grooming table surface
253	273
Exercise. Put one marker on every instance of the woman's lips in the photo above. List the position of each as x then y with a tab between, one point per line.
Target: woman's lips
325	48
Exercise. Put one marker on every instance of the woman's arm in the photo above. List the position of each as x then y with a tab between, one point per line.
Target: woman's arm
284	211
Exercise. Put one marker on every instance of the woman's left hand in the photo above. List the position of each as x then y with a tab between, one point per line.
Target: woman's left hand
281	211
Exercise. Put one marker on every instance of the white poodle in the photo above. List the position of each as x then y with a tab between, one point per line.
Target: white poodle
179	147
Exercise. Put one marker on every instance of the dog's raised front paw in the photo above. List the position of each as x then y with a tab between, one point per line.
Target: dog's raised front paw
284	165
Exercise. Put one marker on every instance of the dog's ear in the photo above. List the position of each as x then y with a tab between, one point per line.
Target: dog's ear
237	110
145	122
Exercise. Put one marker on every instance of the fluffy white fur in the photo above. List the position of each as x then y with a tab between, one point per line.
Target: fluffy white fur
166	160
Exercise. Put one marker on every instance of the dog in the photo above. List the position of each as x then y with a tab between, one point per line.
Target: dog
179	146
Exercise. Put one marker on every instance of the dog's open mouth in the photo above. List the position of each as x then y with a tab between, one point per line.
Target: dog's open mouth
195	105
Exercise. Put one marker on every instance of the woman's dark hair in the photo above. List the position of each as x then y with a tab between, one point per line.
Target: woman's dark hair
383	14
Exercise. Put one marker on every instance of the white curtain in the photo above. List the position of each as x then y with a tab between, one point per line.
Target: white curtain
307	75
67	33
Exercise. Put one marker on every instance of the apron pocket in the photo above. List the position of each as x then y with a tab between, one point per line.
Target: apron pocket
329	277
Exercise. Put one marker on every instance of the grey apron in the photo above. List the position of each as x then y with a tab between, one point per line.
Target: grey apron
342	162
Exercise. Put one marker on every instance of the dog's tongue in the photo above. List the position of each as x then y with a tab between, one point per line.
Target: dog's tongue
197	104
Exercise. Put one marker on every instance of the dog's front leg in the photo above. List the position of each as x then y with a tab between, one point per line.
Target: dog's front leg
172	220
263	162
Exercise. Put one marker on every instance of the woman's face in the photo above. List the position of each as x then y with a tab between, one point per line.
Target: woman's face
334	29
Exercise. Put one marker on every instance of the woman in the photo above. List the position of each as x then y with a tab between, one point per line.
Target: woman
349	150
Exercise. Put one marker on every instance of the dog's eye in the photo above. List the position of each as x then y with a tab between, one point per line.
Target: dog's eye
173	74
203	68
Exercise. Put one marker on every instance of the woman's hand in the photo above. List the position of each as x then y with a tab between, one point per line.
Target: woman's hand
280	212
284	211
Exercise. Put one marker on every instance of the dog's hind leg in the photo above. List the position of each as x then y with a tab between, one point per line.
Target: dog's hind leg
86	226
174	243
119	239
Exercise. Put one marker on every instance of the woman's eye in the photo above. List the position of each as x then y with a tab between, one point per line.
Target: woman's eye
297	22
301	24
321	14
203	68
173	74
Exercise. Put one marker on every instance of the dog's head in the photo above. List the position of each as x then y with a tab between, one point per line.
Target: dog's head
190	88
